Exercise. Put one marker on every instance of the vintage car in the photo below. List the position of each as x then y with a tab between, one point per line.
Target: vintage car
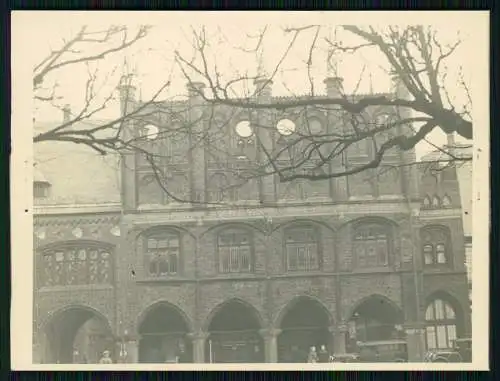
443	355
345	357
383	351
464	347
461	352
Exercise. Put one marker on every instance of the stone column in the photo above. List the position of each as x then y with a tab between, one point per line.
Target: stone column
415	342
132	348
270	337
339	334
198	340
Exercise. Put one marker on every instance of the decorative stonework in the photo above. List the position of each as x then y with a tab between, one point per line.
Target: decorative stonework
77	232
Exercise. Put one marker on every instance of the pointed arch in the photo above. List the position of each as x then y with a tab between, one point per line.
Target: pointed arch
304	300
65	331
239	305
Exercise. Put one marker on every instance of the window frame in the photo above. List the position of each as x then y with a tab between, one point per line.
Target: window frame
251	249
316	231
439	236
389	242
436	323
159	235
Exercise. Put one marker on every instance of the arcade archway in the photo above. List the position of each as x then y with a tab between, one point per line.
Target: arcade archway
163	336
305	324
77	335
375	329
234	335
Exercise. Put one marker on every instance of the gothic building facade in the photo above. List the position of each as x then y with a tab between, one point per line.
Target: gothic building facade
357	263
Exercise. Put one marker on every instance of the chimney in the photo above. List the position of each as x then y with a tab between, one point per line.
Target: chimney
66	113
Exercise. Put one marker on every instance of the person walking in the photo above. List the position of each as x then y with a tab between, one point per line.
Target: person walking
106	358
312	358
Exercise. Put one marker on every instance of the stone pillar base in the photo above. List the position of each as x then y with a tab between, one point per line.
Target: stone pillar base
270	344
415	342
198	340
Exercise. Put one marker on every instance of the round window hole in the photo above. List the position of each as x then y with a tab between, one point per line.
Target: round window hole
286	127
244	129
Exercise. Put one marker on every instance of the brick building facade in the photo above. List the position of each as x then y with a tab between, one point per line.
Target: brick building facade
340	262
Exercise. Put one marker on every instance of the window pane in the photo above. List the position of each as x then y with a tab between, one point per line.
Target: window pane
431	338
450	313
452	335
441	257
438	304
429	314
441	336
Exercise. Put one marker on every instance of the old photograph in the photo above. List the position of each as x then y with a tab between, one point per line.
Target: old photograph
288	190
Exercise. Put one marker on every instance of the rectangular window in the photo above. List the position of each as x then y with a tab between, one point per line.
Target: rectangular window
234	259
302	256
428	258
163	253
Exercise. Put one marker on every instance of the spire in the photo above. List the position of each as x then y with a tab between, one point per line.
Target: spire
371	84
261	72
333	60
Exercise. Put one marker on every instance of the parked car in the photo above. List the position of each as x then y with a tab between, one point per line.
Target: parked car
464	347
345	357
443	355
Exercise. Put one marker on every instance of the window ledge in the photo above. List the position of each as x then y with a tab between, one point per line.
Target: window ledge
368	270
167	279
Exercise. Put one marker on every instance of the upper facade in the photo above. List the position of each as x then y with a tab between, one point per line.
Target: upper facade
205	152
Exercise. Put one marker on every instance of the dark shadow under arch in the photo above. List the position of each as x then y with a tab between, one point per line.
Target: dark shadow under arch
304	322
163	329
379	299
62	328
234	327
372	319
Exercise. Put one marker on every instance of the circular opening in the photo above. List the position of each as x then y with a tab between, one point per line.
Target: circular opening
151	131
244	129
286	127
315	126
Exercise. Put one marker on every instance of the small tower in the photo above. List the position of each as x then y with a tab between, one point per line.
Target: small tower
333	81
263	85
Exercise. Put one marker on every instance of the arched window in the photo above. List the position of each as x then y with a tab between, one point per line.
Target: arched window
162	254
302	249
234	249
75	264
371	245
441	325
435	245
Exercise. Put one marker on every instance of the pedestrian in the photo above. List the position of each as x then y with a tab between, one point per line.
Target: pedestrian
106	358
313	356
323	355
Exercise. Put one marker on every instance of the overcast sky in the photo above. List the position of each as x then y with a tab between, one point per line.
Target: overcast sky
153	58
